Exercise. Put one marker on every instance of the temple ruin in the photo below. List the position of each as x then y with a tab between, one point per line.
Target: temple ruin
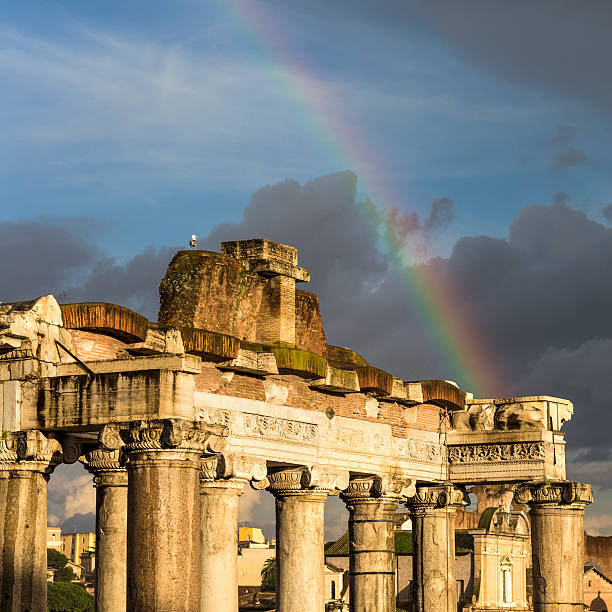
236	385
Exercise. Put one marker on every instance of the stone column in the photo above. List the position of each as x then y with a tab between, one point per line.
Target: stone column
222	482
110	480
432	510
26	462
556	510
371	545
300	561
163	511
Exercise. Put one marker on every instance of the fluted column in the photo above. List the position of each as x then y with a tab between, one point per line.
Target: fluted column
432	510
110	480
222	481
371	544
556	510
300	561
163	518
26	461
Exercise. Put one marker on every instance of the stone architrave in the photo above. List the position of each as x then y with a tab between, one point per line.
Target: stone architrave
110	480
556	510
26	462
163	524
300	541
432	510
371	509
222	481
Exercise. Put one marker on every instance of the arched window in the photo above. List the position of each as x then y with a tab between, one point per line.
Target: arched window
333	589
505	575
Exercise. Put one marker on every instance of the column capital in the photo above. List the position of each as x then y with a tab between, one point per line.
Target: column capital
549	494
428	498
377	489
148	439
107	467
299	481
29	451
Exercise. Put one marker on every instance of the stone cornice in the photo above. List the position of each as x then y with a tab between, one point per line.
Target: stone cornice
554	494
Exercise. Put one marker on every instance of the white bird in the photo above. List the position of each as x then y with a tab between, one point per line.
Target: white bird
193	243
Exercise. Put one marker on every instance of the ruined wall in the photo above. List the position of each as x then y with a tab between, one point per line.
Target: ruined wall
216	292
599	550
293	391
309	333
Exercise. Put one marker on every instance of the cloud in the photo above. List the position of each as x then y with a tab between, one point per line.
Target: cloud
562	150
70	492
606	211
538	298
61	257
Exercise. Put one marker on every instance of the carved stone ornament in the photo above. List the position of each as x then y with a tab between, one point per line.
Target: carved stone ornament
427	498
164	434
8	450
101	460
71	449
554	493
481	453
382	488
306	480
33	445
245	468
275	427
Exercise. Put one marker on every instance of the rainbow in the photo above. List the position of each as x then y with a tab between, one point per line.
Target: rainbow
450	329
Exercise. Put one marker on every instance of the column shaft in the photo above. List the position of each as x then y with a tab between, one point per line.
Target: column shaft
163	548
23	541
219	544
557	543
433	547
372	556
433	560
300	562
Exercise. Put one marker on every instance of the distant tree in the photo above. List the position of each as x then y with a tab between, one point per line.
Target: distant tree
268	576
59	562
68	597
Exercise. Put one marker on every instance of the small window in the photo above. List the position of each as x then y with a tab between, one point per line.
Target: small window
333	589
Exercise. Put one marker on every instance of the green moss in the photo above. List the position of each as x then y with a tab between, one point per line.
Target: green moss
304	363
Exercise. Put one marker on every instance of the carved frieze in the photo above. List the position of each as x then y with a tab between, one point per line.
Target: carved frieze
480	453
275	427
420	450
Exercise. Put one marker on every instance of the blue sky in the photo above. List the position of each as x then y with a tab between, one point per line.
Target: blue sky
162	119
126	127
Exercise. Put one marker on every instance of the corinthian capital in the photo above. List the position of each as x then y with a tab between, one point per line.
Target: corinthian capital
34	446
381	488
435	497
164	434
554	493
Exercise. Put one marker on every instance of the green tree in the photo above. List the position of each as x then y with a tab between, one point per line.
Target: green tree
59	562
68	597
268	576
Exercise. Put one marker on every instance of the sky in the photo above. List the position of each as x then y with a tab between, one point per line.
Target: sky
442	166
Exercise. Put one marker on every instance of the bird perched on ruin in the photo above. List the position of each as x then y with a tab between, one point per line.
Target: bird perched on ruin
193	243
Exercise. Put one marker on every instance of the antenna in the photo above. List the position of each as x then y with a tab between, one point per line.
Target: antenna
193	243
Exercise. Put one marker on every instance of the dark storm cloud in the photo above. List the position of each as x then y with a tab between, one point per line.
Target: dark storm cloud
563	152
563	47
60	257
606	211
541	298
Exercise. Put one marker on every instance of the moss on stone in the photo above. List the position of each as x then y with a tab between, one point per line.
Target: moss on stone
303	363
